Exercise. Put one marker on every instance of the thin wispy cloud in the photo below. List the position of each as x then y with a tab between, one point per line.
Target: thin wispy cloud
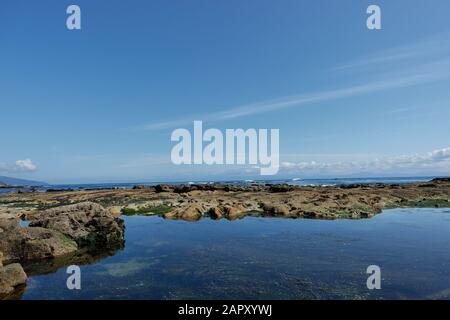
422	74
430	48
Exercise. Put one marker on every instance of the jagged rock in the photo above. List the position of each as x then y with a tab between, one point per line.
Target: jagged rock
87	223
11	276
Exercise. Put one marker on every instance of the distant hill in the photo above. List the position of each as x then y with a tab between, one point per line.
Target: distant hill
21	182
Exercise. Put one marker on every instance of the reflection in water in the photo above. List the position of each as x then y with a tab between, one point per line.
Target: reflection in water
79	258
263	258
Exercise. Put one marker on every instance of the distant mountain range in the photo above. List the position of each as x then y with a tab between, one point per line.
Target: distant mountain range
20	182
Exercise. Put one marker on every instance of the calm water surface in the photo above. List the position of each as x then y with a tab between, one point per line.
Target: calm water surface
268	258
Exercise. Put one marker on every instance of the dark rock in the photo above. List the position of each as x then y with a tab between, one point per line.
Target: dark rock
281	188
144	187
164	188
443	179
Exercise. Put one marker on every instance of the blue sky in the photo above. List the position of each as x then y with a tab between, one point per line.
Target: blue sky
99	104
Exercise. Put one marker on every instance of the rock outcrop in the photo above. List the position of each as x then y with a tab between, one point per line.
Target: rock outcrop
28	244
224	201
56	233
88	224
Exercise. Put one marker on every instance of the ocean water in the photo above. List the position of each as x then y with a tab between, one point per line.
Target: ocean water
293	181
266	258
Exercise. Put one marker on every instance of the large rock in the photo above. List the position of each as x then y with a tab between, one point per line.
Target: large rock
28	244
11	276
87	223
188	213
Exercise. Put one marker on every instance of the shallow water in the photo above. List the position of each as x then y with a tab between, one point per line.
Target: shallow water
268	258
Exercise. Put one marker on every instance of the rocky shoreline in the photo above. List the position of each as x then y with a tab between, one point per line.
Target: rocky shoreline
84	225
53	234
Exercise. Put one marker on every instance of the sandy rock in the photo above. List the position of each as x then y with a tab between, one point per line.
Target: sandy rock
11	276
115	211
189	213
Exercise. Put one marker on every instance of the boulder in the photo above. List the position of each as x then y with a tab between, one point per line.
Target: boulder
228	211
11	276
28	244
87	223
